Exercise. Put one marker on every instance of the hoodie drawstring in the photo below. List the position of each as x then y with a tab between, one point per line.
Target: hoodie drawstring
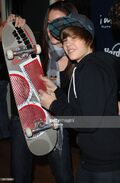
74	89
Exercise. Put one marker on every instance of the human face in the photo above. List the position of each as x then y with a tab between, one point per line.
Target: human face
76	48
53	14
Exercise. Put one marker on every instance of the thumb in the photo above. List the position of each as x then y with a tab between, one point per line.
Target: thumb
41	92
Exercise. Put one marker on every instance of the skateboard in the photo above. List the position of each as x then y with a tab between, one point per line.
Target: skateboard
24	69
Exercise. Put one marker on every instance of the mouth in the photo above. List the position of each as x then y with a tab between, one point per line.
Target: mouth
70	51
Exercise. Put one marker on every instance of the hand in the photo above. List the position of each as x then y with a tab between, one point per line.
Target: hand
46	99
19	21
50	85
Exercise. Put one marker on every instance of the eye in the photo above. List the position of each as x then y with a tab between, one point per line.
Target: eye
73	36
64	40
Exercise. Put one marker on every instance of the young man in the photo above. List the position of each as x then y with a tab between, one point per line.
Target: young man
92	92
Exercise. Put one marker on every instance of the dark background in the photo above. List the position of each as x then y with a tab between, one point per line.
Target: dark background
34	11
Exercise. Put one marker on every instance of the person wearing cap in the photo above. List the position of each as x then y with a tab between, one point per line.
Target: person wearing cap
92	92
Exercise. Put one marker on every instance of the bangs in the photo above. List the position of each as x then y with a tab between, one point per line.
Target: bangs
77	32
67	32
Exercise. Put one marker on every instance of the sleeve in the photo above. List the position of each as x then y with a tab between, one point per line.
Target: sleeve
60	107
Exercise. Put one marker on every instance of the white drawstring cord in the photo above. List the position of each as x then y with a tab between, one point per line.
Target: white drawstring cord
74	89
72	79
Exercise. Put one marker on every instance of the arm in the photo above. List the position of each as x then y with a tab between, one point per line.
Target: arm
52	94
90	95
91	99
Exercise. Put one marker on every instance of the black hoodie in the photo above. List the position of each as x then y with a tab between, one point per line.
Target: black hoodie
93	92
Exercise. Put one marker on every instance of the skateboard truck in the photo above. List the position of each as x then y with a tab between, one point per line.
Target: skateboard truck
54	124
23	52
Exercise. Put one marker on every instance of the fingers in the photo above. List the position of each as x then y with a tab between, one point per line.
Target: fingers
19	21
11	17
46	99
44	78
49	91
49	84
42	93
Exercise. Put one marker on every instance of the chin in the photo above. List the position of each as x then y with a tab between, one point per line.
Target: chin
72	56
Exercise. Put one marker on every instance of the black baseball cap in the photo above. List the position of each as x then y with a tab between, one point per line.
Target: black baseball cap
79	20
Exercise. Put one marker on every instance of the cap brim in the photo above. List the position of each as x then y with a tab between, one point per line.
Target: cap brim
61	23
57	25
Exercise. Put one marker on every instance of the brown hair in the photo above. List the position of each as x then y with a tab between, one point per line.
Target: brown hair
74	31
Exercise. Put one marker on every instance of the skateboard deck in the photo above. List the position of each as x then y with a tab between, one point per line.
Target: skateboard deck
24	68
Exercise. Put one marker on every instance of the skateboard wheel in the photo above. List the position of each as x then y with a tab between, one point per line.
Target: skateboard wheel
28	132
38	49
9	54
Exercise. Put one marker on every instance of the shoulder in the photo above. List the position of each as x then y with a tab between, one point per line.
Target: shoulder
101	60
97	63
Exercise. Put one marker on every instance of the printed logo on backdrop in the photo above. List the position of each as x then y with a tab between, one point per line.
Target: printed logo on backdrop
105	22
115	50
